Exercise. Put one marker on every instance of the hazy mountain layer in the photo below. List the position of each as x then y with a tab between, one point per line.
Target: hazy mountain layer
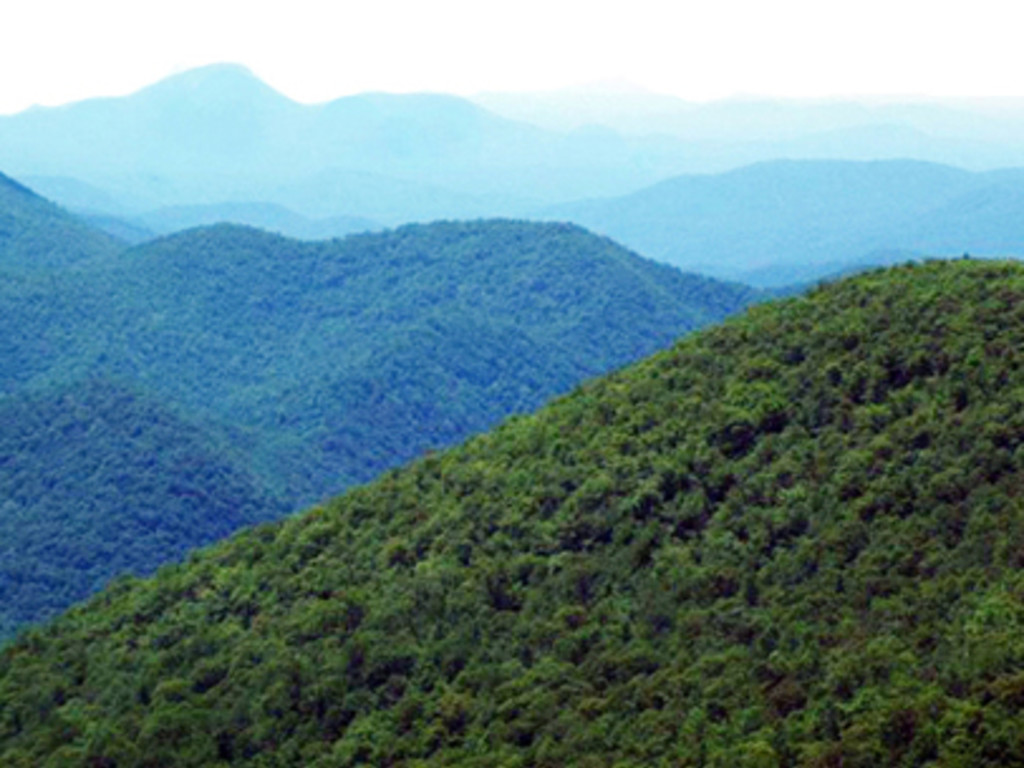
978	134
218	134
791	540
265	216
786	221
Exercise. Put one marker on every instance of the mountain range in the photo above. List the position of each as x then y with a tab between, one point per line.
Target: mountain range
35	233
275	372
792	539
218	135
788	221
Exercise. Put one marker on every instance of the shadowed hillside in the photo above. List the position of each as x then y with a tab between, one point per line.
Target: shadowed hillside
100	480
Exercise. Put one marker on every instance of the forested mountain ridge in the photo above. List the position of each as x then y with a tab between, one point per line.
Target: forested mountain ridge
289	371
336	351
35	233
793	539
101	480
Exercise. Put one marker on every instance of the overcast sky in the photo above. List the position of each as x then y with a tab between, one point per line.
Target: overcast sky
55	51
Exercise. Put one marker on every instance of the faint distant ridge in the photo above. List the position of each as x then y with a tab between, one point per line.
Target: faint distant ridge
792	220
218	134
267	216
228	79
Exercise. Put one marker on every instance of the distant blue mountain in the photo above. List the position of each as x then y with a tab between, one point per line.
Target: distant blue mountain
218	134
267	216
778	222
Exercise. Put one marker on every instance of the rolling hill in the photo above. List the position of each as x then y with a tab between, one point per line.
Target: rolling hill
787	221
353	355
35	233
794	539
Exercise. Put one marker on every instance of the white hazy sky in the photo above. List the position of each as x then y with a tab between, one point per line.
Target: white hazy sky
55	51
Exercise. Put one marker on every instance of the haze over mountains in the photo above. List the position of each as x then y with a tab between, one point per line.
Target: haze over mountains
785	221
216	144
977	134
220	135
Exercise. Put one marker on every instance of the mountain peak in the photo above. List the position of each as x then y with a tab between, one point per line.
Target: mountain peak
6	182
219	80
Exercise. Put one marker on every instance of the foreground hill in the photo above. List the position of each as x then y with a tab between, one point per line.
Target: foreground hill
309	366
787	221
791	540
35	233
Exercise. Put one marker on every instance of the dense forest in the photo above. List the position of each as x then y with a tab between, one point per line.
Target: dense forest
791	540
100	480
262	373
35	233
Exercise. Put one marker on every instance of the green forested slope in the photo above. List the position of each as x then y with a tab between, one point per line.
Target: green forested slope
35	233
794	539
99	480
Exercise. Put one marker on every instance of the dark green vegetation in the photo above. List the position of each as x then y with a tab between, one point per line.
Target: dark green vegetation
266	373
794	539
35	233
99	480
782	222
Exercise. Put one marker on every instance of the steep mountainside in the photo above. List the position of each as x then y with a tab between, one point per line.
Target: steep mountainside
35	233
100	480
791	540
787	221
